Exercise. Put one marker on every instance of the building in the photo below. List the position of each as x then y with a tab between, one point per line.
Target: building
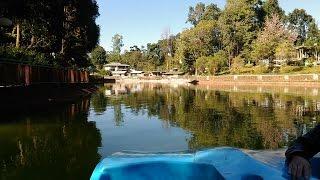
117	69
174	73
303	53
135	73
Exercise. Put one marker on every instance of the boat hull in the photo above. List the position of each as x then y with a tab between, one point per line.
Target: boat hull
220	163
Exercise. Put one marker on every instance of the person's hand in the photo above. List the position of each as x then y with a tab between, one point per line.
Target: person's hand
299	167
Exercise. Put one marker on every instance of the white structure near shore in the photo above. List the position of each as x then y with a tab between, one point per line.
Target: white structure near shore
118	69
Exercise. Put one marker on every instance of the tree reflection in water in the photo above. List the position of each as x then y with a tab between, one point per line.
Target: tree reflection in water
57	144
219	118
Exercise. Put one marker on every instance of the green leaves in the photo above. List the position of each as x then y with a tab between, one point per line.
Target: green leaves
117	43
273	34
202	40
202	12
239	24
300	22
211	65
99	57
65	28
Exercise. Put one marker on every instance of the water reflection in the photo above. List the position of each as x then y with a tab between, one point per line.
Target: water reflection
58	143
251	119
67	141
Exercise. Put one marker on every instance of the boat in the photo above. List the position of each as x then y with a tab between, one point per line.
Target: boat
194	82
213	164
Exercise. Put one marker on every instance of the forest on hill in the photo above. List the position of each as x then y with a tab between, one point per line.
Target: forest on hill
246	36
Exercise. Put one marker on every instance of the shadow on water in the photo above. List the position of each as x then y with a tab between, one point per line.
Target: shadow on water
54	142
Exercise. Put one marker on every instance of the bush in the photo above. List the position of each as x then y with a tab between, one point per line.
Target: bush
289	69
251	70
261	69
310	62
212	64
295	63
248	65
238	66
103	72
25	56
311	70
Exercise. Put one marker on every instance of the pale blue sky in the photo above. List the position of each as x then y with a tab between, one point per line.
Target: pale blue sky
143	21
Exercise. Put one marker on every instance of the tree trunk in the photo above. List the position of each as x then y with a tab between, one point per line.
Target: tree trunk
32	40
63	41
18	36
13	30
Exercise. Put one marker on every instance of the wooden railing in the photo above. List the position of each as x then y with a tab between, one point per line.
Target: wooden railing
16	74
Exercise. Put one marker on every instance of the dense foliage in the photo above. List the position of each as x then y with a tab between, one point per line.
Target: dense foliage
99	57
245	36
61	31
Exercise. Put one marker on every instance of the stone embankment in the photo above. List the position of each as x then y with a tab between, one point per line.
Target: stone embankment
294	80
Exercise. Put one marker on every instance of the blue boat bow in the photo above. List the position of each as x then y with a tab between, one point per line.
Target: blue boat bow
219	163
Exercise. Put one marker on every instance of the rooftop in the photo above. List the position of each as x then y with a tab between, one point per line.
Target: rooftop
115	64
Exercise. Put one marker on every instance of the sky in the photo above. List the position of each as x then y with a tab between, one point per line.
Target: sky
143	21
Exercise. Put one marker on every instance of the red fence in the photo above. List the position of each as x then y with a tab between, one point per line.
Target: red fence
24	75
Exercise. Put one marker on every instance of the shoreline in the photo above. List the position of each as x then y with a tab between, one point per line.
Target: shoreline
299	80
44	94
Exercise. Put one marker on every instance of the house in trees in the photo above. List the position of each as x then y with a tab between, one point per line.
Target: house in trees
305	52
302	56
117	69
136	73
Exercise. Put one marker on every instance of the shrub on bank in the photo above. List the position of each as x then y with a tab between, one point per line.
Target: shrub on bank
238	66
261	69
251	70
310	70
103	73
25	56
290	69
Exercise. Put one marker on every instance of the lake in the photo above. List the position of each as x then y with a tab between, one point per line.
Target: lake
66	141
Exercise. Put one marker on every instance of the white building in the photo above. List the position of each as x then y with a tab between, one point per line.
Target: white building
135	73
117	69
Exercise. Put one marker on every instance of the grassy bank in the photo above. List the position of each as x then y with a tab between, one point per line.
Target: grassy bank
257	70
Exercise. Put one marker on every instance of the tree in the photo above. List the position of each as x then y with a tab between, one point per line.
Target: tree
212	12
313	35
272	7
218	62
99	57
134	57
202	12
285	51
273	34
239	23
202	65
196	13
313	40
300	22
167	45
202	40
211	64
64	28
117	43
155	54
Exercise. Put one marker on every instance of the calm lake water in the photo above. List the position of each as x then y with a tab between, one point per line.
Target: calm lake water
67	141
